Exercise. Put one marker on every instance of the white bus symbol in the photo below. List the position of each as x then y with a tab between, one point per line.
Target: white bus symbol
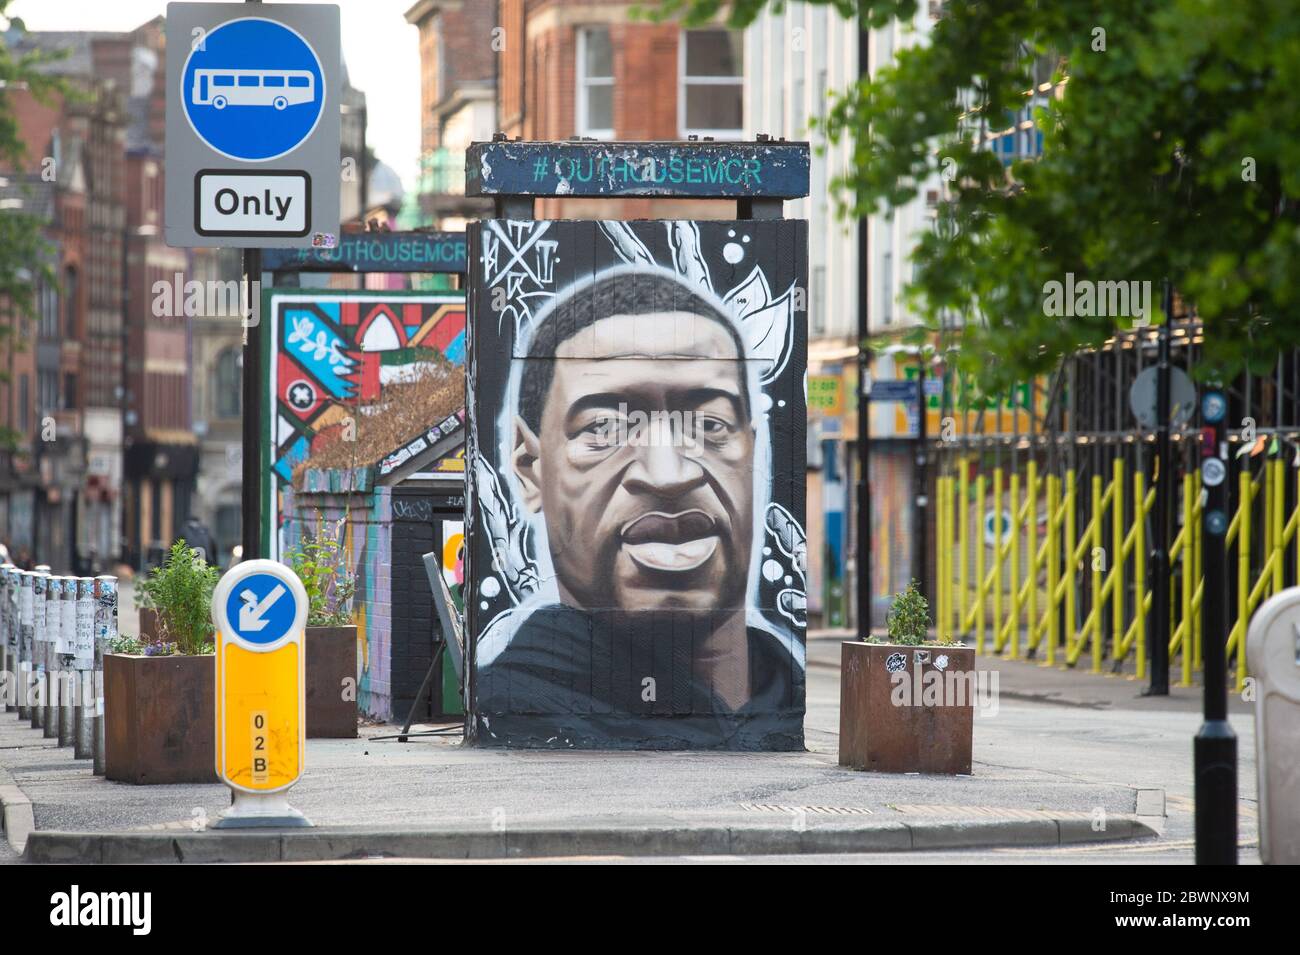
277	88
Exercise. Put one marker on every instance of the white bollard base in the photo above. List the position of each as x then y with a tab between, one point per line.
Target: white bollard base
261	811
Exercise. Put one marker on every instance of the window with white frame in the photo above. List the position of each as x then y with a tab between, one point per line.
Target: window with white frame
711	88
595	83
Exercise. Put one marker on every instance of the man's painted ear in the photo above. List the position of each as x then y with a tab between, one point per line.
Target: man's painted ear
528	469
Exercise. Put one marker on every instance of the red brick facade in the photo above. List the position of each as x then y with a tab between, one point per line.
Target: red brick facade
537	90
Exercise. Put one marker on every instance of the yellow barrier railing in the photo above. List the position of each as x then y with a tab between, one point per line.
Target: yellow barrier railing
1026	585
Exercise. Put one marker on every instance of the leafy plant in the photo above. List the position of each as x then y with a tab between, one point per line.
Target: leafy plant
134	646
180	589
1171	152
321	566
909	617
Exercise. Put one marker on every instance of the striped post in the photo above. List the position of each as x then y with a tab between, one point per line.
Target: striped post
26	653
9	659
53	638
67	650
40	646
83	721
105	634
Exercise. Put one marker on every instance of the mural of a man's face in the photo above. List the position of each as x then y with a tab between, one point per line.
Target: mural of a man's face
656	512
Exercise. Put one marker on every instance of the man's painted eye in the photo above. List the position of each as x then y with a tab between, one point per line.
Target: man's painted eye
713	427
605	430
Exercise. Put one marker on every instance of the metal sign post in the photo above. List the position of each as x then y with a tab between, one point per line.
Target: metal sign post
259	611
253	155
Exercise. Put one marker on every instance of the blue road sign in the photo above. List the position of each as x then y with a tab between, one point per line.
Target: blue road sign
252	89
1213	407
893	389
261	609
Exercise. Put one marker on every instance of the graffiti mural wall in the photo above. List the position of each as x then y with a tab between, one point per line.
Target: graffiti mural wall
636	552
334	351
363	522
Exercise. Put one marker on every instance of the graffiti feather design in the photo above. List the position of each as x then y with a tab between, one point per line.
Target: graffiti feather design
626	243
768	326
511	554
791	541
684	240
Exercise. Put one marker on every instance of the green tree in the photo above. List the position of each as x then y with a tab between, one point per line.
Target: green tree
23	249
1171	151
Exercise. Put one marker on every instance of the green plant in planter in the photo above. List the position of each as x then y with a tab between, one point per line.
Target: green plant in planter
180	590
909	617
330	585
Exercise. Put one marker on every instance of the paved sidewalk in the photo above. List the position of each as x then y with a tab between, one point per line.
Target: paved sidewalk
1062	753
433	797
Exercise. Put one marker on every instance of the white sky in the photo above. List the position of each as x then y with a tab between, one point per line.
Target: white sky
380	48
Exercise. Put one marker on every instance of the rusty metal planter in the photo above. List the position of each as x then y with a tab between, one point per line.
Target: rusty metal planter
891	728
159	719
330	660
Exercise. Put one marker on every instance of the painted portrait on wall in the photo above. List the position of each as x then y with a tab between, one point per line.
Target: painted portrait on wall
635	547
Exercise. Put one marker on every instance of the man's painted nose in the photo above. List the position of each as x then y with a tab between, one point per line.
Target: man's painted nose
664	464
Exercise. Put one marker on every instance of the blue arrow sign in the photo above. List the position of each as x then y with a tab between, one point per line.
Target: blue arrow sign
252	89
261	609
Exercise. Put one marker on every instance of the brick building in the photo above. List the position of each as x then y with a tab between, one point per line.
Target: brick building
457	103
574	68
62	478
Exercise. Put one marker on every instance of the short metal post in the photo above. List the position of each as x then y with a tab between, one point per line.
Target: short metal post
26	653
83	720
105	634
67	647
53	638
50	724
40	645
8	632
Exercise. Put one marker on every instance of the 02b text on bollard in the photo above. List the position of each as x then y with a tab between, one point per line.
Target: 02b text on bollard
259	611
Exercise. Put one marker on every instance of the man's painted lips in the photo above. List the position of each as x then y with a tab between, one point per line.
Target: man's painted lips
671	542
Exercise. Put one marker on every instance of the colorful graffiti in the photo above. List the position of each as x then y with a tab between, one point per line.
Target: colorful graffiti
333	351
366	522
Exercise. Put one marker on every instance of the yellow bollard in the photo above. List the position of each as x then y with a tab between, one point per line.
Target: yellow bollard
963	542
980	548
1197	583
941	559
1243	564
1140	572
1067	553
997	559
1053	564
1097	608
1010	629
1031	533
1189	488
1117	557
1279	540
